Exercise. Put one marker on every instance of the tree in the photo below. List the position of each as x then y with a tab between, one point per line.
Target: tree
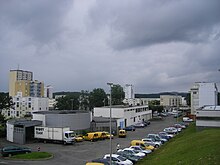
97	98
6	101
84	100
69	102
118	95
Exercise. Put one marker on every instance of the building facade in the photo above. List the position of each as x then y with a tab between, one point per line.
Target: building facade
203	94
25	106
130	115
208	116
129	91
170	100
22	81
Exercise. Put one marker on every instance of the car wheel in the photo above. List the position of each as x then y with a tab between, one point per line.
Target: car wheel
9	155
156	145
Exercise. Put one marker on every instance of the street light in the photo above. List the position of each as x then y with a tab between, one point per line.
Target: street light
110	122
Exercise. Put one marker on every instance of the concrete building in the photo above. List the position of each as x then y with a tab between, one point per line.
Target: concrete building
129	91
22	81
170	100
127	115
202	94
26	106
21	130
208	116
76	120
48	91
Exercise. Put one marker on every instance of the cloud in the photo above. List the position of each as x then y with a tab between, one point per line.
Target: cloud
163	45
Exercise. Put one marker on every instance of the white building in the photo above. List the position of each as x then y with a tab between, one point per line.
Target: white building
170	100
129	91
208	116
26	105
48	91
202	94
126	115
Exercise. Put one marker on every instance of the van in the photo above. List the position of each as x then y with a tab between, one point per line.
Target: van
101	135
91	136
122	133
142	144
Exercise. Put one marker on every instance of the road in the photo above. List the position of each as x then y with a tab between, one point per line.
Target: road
80	153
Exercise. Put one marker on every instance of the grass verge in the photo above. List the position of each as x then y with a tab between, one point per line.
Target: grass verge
190	147
33	156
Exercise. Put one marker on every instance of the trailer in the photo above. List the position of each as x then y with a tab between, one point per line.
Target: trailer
62	134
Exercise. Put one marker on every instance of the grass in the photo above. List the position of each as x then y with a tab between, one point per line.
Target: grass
190	147
33	156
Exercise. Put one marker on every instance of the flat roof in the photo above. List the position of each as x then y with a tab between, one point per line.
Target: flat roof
60	112
24	122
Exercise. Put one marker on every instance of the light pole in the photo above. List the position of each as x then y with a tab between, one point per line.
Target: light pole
110	122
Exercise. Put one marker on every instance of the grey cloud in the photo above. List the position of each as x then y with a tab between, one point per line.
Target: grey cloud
148	22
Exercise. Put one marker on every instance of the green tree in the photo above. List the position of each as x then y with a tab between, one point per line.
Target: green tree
118	95
97	98
69	102
6	101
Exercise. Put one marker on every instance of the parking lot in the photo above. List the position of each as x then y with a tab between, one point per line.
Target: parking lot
80	153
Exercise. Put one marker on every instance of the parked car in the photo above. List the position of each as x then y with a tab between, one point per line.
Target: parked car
179	126
152	142
142	144
118	159
171	130
109	135
139	149
103	161
187	119
14	150
122	133
139	125
129	156
156	137
133	152
166	134
130	128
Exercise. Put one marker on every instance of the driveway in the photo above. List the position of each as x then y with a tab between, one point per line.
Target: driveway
80	153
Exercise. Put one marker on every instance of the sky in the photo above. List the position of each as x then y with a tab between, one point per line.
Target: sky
74	45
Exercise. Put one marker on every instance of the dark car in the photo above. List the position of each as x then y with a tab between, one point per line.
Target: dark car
129	128
131	157
14	150
104	161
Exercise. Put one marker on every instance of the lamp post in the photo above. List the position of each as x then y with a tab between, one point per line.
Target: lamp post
110	122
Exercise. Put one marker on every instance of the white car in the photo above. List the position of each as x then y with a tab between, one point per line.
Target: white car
133	152
118	159
171	130
152	142
139	149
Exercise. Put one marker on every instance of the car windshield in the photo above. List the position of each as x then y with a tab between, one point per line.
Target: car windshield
121	158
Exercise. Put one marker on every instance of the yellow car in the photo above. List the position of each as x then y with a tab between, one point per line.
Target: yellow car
122	133
108	135
79	139
142	144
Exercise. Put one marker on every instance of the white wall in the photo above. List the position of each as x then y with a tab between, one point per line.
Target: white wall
10	130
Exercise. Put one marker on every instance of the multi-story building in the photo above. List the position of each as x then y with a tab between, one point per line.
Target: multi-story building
26	106
203	94
170	100
126	115
48	91
208	116
22	81
129	91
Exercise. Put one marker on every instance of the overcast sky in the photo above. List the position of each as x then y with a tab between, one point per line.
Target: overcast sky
74	45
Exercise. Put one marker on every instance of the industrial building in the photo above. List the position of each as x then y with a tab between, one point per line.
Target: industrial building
208	116
126	115
202	94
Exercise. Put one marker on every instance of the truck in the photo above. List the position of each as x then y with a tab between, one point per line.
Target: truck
58	134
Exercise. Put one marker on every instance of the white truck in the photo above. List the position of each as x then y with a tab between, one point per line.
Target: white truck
63	135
